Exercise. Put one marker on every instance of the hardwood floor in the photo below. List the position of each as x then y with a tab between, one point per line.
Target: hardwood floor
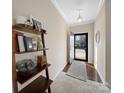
66	67
92	74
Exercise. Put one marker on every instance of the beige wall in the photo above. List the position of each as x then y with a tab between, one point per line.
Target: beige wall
86	28
56	31
102	51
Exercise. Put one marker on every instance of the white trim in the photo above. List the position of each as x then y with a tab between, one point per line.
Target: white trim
102	78
59	10
91	61
58	73
95	65
108	85
101	3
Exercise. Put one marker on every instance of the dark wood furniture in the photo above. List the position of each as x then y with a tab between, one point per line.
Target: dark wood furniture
40	84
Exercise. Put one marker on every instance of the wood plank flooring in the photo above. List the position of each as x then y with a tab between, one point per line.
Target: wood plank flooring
92	74
66	67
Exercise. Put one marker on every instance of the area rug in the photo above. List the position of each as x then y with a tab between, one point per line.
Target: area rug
66	84
78	70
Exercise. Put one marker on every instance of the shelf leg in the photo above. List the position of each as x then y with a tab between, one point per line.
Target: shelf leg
49	90
47	74
44	53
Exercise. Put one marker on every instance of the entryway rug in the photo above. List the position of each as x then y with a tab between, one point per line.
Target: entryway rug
78	70
66	84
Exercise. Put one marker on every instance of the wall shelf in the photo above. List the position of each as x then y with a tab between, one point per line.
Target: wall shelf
34	86
23	79
31	51
28	29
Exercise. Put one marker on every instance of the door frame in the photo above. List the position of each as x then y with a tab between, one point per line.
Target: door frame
86	60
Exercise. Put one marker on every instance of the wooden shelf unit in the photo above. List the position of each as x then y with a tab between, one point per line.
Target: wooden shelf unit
34	86
31	51
28	29
36	70
40	84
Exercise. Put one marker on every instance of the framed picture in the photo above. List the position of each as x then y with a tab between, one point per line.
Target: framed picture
35	23
39	45
28	43
21	43
35	43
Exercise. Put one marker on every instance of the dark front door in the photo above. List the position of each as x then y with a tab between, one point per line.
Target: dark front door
81	46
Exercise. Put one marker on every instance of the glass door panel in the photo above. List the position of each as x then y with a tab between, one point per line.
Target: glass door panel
81	46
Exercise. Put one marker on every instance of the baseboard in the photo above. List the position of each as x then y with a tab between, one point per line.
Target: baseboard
101	77
91	61
58	72
108	85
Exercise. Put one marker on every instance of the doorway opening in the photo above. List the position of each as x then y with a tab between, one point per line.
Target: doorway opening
81	47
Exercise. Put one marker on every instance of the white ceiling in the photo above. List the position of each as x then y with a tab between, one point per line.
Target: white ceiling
69	10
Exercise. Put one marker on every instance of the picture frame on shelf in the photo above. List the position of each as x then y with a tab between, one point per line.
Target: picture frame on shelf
35	43
28	44
21	45
39	43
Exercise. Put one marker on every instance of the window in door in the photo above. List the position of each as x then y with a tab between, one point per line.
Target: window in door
81	46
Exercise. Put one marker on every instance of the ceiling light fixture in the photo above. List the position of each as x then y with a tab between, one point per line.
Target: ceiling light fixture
79	18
